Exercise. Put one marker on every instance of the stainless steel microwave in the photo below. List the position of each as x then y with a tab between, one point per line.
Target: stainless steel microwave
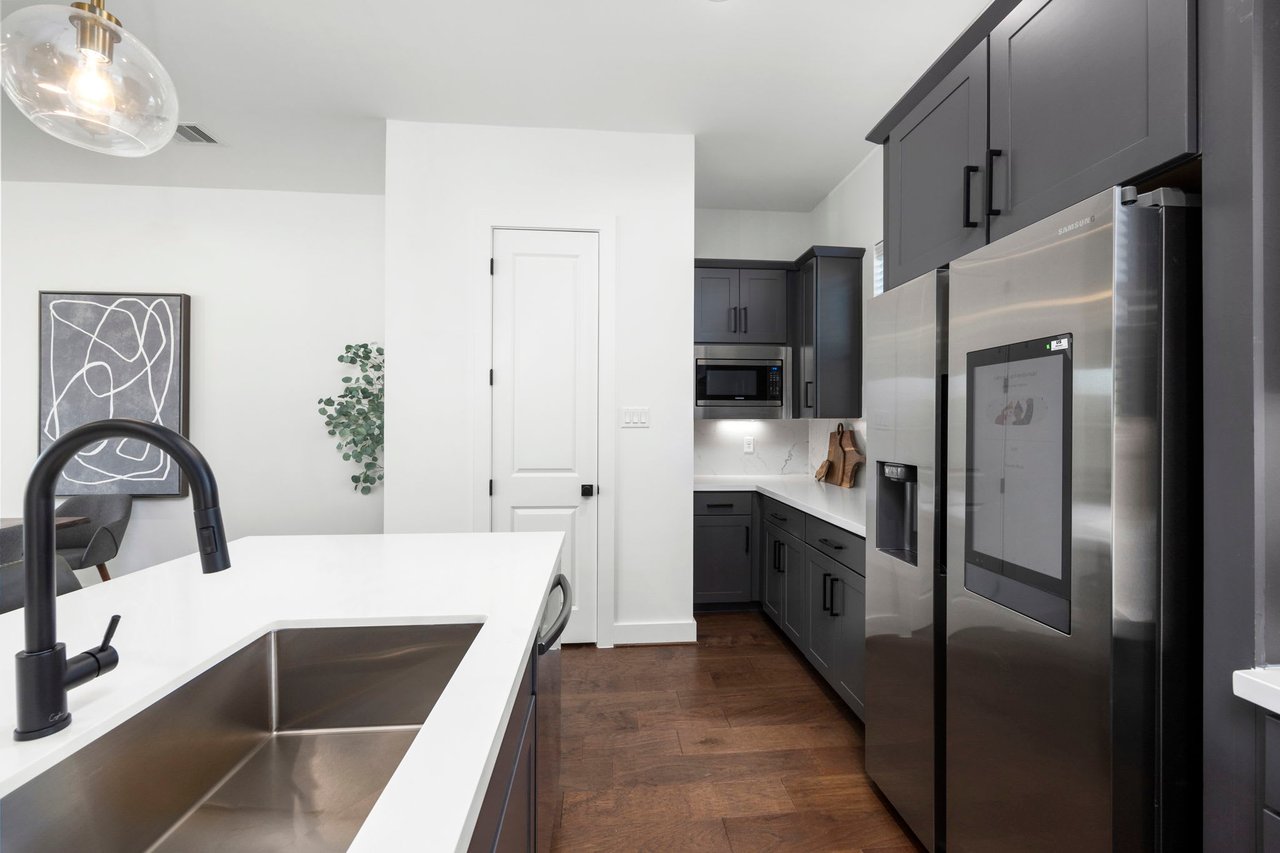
746	382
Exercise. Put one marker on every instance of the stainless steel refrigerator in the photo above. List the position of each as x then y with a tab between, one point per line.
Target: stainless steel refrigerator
1031	648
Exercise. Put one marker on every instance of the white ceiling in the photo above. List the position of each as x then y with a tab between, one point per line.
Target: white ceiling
779	93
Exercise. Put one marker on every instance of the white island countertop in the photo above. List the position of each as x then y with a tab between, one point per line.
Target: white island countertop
1260	685
844	508
177	622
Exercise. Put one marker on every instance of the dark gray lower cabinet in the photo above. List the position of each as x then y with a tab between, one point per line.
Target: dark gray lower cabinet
516	833
774	574
795	597
817	599
721	559
849	612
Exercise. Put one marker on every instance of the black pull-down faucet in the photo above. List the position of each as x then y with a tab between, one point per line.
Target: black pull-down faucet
43	670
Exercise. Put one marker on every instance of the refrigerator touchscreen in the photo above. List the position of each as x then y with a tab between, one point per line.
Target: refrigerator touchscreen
1019	400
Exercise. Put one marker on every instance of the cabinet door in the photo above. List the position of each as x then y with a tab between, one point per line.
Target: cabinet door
762	305
837	343
715	305
935	176
824	629
721	559
807	384
795	596
774	574
1086	94
849	609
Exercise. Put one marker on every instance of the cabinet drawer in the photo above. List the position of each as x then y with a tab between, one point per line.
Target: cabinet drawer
837	543
782	516
722	503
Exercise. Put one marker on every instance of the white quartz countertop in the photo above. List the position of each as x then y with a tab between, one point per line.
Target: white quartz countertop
841	507
1260	685
177	622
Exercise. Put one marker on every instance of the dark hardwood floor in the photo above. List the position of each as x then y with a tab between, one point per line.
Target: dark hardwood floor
732	744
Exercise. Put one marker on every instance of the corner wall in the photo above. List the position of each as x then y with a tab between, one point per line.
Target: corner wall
446	186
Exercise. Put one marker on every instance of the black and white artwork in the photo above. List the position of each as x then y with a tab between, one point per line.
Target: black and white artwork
114	355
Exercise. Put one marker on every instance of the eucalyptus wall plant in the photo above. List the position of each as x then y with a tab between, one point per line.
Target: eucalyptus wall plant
355	415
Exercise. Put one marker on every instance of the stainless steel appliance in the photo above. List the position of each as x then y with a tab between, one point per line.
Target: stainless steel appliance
748	381
1030	640
905	348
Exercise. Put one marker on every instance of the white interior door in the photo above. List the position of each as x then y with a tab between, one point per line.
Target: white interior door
545	398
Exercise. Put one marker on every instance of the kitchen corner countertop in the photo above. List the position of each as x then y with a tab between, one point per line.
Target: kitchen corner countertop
842	507
177	622
1260	685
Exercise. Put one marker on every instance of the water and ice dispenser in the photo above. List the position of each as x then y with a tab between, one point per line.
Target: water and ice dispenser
897	510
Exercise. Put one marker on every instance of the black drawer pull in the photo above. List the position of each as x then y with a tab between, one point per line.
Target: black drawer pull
832	611
719	506
826	608
778	517
992	154
969	172
834	546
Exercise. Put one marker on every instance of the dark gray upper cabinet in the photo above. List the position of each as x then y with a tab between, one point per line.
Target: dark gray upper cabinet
829	379
715	306
935	176
740	306
721	559
1086	94
762	302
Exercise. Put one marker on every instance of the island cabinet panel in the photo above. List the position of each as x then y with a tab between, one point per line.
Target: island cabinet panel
1086	94
935	176
507	811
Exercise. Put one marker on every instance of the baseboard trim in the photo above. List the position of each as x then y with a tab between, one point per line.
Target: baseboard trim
648	633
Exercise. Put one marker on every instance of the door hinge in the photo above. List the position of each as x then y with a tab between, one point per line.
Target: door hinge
491	488
491	266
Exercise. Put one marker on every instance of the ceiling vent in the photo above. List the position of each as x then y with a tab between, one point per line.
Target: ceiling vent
195	134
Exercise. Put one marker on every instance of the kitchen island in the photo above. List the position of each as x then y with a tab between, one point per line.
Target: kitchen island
178	623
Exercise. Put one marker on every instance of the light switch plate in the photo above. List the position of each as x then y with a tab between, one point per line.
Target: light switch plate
635	417
748	444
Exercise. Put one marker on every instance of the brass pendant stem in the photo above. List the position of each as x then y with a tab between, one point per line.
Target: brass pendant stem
91	36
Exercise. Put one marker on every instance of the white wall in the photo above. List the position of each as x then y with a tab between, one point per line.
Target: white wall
759	235
279	281
447	185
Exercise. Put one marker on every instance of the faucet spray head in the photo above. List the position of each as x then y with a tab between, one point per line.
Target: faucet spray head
212	539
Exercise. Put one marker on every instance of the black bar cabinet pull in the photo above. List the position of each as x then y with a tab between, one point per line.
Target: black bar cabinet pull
733	319
992	154
826	608
834	546
832	611
808	404
747	530
744	319
969	172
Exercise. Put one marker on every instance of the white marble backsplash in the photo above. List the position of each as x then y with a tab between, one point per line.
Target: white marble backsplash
781	447
819	434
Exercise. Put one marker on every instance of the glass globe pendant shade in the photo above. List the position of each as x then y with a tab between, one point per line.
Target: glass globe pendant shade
80	76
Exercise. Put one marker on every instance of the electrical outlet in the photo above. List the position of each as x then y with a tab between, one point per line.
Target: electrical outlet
635	417
748	444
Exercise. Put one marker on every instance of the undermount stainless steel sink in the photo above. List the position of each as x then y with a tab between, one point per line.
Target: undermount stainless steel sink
285	745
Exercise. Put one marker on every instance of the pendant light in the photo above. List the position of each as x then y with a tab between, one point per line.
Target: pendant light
80	76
